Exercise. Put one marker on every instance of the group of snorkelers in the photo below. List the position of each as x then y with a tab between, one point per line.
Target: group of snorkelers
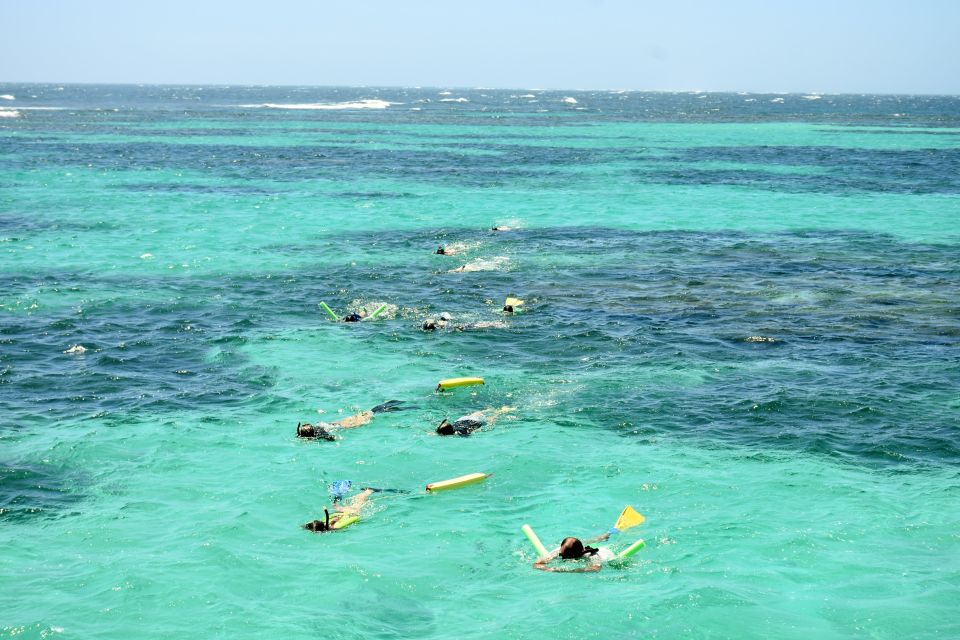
570	549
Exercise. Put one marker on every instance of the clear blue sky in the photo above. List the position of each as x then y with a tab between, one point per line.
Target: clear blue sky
881	46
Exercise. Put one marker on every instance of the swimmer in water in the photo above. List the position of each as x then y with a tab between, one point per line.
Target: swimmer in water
501	229
326	430
328	524
573	549
441	251
432	324
465	425
353	317
508	308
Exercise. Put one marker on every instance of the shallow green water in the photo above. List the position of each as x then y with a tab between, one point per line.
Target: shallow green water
801	487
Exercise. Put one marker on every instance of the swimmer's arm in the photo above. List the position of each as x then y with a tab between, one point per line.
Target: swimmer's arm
542	566
600	538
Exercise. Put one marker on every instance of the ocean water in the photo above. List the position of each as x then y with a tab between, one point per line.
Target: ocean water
742	317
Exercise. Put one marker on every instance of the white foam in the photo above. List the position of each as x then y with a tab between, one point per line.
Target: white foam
454	100
323	106
7	96
76	349
570	100
483	264
9	113
528	95
777	100
812	96
444	93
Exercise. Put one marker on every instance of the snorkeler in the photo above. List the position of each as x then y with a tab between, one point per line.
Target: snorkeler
465	425
325	430
432	324
329	523
573	549
441	251
353	317
338	491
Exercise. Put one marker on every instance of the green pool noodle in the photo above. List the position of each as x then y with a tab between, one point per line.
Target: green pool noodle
323	305
534	540
632	549
377	312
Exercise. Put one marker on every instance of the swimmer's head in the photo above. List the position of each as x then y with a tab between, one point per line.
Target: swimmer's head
310	431
445	428
441	251
508	308
317	526
445	317
305	431
429	324
571	548
353	317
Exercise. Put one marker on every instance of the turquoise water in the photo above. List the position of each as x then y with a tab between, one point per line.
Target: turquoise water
796	487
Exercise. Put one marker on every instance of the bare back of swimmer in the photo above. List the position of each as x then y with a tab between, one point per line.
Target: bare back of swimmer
326	430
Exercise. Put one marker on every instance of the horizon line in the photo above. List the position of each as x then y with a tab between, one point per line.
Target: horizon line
473	88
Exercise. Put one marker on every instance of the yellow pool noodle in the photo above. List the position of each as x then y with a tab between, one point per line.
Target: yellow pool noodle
455	483
453	383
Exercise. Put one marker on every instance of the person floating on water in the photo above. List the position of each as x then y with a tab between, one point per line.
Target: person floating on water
499	228
573	549
326	430
444	321
353	317
432	324
465	425
441	251
338	491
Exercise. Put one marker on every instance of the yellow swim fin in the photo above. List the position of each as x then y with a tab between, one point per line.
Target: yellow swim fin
628	518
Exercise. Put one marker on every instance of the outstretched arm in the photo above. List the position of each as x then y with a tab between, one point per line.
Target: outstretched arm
600	538
543	565
587	568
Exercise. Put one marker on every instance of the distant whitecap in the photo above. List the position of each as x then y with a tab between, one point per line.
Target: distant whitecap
7	96
570	100
324	106
454	100
9	113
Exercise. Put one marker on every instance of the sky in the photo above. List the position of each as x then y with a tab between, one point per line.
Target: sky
836	46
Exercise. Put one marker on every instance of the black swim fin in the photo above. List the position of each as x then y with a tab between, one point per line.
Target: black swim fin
390	405
378	490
